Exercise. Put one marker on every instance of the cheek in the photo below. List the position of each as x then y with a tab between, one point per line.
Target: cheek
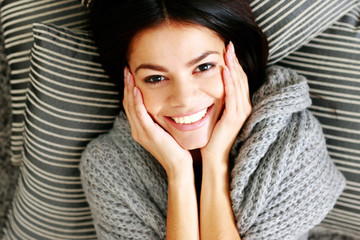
152	101
150	98
215	86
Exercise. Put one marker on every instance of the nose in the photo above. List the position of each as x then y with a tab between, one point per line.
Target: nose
183	92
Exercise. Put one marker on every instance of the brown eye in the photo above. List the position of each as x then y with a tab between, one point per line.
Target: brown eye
154	79
204	67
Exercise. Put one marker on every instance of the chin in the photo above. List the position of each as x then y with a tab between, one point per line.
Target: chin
193	143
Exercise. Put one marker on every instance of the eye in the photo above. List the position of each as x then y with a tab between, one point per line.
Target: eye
154	79
204	67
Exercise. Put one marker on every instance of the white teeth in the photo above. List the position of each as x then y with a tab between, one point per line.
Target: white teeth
190	119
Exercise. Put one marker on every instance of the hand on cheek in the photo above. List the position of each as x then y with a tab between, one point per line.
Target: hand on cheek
149	134
236	110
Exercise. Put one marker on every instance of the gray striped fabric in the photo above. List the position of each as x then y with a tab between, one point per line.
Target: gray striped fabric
70	101
289	25
331	62
17	17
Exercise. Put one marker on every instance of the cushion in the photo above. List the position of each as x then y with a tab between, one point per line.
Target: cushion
17	17
70	101
331	63
289	25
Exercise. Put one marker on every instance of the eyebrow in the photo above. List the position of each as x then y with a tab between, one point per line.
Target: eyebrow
189	64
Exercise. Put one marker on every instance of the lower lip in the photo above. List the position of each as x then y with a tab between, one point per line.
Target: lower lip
193	126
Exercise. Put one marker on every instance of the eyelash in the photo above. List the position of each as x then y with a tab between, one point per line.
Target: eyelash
154	79
151	80
209	65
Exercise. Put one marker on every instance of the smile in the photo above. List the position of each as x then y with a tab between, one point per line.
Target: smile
191	122
191	118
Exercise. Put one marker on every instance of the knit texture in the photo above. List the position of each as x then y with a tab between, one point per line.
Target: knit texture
282	179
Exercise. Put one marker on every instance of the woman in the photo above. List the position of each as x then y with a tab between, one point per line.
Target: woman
192	156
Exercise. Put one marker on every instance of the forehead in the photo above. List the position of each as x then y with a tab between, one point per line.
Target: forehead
180	41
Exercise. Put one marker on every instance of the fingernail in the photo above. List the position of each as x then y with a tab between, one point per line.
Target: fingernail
135	91
126	76
231	47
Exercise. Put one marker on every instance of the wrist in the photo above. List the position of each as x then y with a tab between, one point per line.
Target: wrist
216	173
181	174
220	155
177	165
215	160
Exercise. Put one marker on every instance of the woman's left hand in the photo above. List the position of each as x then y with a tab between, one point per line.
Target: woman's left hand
237	109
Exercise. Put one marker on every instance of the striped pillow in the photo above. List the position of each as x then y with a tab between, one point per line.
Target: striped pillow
17	17
69	102
331	63
289	25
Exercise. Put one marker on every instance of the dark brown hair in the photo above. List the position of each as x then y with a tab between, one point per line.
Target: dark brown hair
115	23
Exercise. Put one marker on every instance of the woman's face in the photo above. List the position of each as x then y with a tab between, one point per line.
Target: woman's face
178	70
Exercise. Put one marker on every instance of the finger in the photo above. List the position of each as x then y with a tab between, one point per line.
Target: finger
125	88
230	101
140	118
129	105
127	92
228	56
244	106
238	74
240	83
243	81
232	62
147	126
235	74
125	98
146	122
238	69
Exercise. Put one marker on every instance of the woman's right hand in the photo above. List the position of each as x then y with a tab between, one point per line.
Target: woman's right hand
182	213
150	135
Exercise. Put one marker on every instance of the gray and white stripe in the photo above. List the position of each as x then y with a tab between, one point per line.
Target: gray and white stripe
70	101
331	63
17	17
291	24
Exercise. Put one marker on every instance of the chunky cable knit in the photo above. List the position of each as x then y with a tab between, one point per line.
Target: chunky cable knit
282	180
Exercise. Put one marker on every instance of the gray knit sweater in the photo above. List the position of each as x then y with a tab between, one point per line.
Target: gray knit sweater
282	180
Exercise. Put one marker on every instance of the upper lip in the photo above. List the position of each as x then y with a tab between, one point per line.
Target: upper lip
189	113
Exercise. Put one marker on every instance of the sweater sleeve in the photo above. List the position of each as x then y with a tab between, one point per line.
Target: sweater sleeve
105	189
293	187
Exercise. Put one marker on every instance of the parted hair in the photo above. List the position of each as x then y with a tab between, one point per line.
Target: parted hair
115	23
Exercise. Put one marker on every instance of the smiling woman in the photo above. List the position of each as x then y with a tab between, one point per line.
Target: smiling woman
190	155
178	71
